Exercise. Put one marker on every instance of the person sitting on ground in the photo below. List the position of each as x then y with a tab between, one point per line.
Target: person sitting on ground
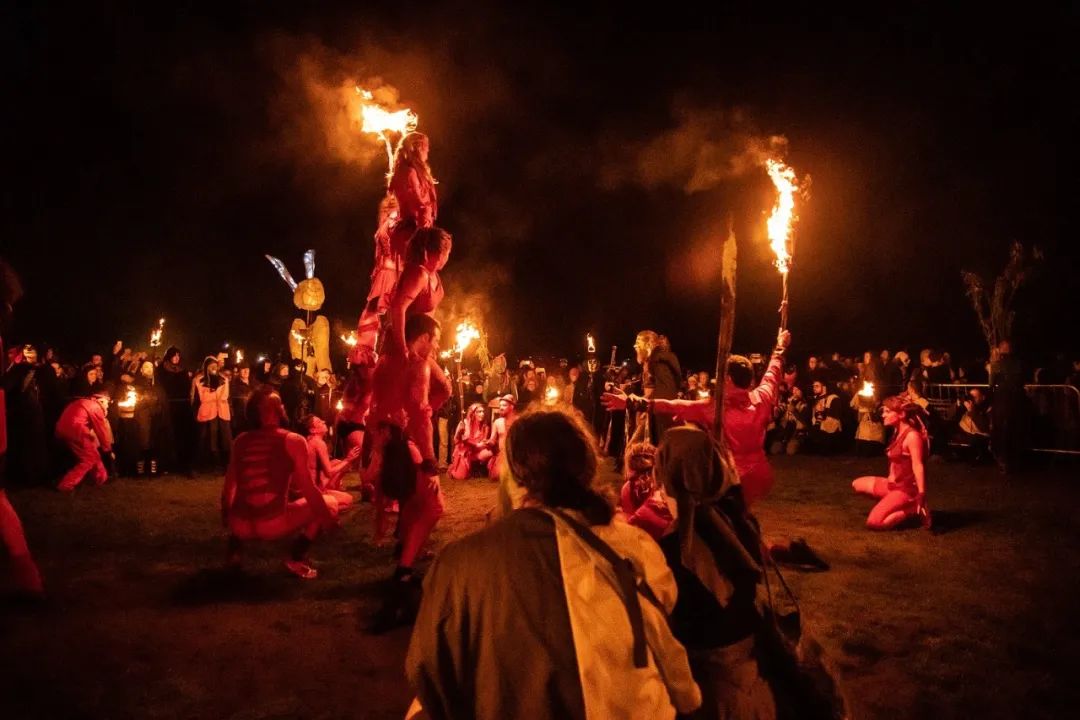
903	493
470	443
642	502
85	431
556	610
266	461
499	428
825	436
325	472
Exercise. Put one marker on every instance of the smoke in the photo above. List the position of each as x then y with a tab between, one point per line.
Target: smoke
707	147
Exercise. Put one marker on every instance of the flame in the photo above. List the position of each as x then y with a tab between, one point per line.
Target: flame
445	354
129	400
466	333
239	356
590	343
155	333
340	405
551	395
867	389
783	215
350	339
703	394
298	336
377	120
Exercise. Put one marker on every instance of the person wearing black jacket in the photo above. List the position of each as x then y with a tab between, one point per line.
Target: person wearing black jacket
176	382
661	375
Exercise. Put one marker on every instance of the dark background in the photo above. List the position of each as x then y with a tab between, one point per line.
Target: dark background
157	151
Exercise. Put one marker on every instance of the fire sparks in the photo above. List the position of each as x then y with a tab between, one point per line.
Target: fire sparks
466	334
867	389
155	333
783	214
590	343
377	120
350	339
129	400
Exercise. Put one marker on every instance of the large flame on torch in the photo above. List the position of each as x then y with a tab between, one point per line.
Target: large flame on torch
129	400
867	389
350	339
783	214
466	334
377	120
590	343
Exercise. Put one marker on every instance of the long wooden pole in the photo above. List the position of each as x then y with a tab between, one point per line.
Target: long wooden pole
727	325
728	259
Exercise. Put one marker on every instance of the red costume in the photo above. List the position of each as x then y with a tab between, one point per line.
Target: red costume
417	207
83	428
470	444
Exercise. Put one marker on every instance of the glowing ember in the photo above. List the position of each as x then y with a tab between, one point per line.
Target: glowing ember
590	343
783	214
155	334
466	333
867	389
350	339
129	400
377	120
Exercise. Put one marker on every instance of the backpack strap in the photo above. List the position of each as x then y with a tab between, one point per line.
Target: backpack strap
629	585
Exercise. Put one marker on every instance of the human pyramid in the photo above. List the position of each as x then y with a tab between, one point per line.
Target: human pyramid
394	387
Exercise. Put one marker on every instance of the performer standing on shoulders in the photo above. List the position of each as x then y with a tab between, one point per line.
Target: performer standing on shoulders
411	204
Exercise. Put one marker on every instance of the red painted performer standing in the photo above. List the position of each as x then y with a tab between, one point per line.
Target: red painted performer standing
411	204
24	570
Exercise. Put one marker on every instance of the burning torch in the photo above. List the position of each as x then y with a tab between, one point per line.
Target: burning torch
466	334
781	223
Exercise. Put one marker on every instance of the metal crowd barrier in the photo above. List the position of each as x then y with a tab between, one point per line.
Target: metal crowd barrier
1054	413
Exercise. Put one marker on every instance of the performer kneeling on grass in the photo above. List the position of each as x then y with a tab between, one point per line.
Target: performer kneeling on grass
557	610
903	493
255	500
325	472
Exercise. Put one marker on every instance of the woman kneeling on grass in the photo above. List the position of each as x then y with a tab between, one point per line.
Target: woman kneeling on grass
903	492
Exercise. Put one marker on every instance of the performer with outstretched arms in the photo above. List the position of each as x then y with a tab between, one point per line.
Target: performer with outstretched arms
747	412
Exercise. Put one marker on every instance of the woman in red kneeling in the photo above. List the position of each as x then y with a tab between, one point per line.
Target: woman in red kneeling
470	443
903	493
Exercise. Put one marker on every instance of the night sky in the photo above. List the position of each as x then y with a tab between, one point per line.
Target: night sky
587	161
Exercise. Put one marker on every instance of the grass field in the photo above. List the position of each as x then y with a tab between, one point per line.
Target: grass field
976	619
